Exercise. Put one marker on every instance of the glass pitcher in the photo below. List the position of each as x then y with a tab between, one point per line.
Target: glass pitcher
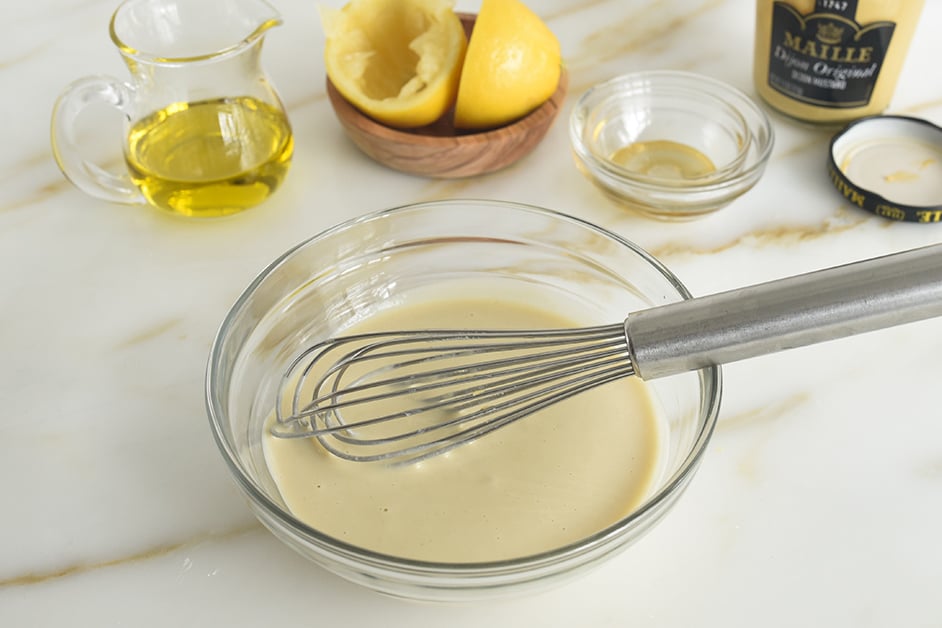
205	133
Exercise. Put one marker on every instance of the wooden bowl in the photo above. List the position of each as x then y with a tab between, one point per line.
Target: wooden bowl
441	151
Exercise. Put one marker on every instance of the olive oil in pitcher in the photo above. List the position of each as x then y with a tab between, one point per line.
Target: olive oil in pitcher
204	131
210	158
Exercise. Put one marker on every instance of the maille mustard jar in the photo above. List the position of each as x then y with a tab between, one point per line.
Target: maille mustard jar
831	61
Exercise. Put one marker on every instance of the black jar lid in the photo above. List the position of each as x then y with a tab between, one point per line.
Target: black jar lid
891	166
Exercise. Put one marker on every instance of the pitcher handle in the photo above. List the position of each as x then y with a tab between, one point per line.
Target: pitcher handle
90	177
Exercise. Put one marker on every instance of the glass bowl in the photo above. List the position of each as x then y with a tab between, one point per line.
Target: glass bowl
358	268
671	145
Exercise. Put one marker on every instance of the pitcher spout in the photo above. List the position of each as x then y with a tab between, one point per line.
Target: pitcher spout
174	31
264	16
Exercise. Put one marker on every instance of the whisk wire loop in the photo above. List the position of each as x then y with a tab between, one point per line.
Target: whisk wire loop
433	390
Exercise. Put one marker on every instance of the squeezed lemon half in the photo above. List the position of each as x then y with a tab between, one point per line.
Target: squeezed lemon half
398	61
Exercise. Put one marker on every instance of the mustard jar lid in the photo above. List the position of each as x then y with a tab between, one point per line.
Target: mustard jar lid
891	166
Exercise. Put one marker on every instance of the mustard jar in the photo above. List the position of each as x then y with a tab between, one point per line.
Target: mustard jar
831	61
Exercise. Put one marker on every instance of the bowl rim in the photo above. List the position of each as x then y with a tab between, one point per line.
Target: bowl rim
693	81
710	385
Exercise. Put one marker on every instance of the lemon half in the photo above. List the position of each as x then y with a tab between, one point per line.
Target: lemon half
512	66
398	61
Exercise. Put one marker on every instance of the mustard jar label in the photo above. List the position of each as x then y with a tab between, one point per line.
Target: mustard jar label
826	57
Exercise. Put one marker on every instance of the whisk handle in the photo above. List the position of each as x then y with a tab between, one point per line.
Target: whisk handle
786	313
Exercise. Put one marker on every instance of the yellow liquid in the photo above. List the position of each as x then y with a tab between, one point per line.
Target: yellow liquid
664	159
210	158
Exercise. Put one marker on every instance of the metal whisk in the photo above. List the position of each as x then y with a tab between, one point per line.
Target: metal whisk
403	396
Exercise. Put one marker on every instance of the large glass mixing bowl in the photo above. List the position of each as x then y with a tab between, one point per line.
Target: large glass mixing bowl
353	270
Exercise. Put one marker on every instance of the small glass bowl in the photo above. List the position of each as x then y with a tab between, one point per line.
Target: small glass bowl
363	266
680	110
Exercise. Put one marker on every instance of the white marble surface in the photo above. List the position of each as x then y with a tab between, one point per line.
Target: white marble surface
820	499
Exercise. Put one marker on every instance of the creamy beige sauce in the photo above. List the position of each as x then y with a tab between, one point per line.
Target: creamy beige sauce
548	480
904	13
